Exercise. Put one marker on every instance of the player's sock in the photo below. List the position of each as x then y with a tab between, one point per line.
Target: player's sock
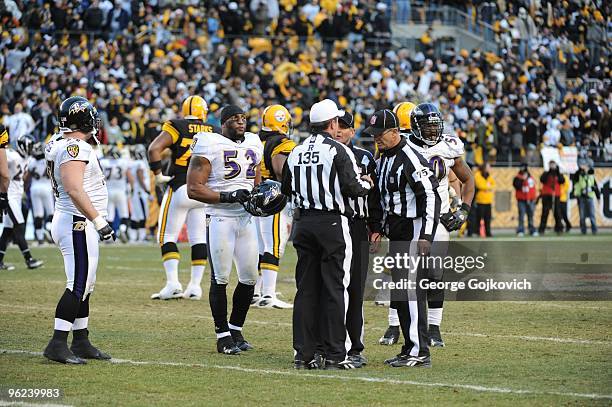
38	230
171	257
7	233
19	239
269	282
393	317
198	263
65	314
241	301
82	318
434	316
258	285
217	299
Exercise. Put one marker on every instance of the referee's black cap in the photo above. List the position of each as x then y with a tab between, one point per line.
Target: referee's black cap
381	121
347	119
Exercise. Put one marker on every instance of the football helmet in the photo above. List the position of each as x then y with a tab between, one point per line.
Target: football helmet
195	107
276	118
402	111
426	123
24	145
38	150
77	114
139	152
266	199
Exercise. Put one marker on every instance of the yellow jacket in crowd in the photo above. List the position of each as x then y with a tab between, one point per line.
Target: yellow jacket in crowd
485	187
564	190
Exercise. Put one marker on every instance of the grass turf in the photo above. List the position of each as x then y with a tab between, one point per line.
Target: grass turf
500	353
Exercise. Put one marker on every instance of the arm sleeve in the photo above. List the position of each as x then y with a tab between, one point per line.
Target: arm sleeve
375	210
424	184
350	183
287	180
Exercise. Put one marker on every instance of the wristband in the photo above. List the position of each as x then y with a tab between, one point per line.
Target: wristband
155	165
223	197
466	207
99	222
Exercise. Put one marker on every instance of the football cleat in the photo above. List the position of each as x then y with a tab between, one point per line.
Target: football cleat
58	351
193	292
85	350
168	292
333	365
256	298
391	336
6	267
411	361
33	263
239	340
395	358
227	346
435	337
267	301
316	364
299	364
357	360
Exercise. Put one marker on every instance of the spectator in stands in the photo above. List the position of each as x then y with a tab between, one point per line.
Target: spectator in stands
525	192
485	185
19	123
93	18
563	196
118	19
585	191
527	31
550	191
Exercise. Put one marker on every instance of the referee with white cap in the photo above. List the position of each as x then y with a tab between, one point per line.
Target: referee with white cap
319	175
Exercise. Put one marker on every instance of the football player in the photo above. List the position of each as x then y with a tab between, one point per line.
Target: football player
176	206
223	170
78	224
117	178
14	223
4	171
41	193
140	193
273	230
444	152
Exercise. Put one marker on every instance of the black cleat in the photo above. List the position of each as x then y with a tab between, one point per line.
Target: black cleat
395	358
412	361
33	263
299	364
58	351
316	364
84	349
391	336
227	346
239	340
435	337
6	267
357	360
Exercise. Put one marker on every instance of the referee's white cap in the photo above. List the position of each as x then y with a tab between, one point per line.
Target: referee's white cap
324	110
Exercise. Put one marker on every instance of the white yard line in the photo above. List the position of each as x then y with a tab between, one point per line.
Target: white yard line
529	338
347	377
26	404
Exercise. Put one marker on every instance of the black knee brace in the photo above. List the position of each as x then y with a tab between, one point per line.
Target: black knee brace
199	254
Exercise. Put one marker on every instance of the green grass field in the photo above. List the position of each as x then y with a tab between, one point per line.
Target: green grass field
497	353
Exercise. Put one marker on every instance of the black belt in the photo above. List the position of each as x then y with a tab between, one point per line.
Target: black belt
317	212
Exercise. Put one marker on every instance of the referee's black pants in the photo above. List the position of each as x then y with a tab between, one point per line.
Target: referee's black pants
411	305
356	288
322	273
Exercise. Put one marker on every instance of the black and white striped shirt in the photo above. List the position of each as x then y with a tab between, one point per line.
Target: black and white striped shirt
369	207
408	187
320	173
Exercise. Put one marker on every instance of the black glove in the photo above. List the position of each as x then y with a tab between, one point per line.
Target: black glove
453	221
107	233
239	195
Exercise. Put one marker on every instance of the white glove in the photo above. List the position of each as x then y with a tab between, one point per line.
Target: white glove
162	179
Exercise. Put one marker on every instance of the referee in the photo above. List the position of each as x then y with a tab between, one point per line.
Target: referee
365	228
411	205
319	175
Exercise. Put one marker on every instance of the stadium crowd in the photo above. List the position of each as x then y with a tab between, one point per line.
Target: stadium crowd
138	60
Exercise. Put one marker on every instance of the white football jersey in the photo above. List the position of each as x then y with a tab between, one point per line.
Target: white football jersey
37	168
115	171
134	167
441	158
233	166
17	168
60	150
